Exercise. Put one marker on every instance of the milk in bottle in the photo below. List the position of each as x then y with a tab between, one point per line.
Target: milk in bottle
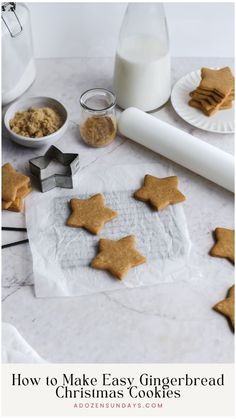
142	64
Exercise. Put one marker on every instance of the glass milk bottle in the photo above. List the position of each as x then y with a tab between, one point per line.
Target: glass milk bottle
142	65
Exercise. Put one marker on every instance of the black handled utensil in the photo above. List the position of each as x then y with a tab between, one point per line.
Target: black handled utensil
4	246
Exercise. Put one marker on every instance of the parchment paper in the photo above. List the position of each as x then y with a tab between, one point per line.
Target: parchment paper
62	255
15	349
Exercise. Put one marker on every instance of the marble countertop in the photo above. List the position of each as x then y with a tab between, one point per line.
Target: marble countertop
171	323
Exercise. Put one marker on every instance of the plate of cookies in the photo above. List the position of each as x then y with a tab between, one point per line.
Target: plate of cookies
205	99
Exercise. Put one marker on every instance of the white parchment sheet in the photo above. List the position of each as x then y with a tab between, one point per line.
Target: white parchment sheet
62	254
15	349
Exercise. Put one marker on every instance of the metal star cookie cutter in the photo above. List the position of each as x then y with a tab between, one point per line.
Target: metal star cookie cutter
39	167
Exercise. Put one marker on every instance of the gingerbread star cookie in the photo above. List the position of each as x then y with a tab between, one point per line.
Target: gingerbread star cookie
226	307
219	81
224	246
90	214
12	181
160	192
215	91
18	204
15	186
118	256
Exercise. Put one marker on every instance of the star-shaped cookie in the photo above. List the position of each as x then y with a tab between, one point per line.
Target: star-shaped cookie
118	256
224	246
18	204
160	192
226	307
90	214
219	81
12	181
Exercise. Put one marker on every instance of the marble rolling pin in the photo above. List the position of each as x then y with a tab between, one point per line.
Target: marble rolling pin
179	146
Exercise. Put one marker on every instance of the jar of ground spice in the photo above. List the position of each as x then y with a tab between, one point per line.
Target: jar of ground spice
98	126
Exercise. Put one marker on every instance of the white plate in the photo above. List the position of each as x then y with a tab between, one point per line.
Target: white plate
222	122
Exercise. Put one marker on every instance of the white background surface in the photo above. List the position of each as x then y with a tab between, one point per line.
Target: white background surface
91	29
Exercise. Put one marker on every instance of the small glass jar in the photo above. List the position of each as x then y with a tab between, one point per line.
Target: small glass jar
98	126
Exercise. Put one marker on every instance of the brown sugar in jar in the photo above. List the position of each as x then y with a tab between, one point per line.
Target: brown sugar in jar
98	127
98	131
